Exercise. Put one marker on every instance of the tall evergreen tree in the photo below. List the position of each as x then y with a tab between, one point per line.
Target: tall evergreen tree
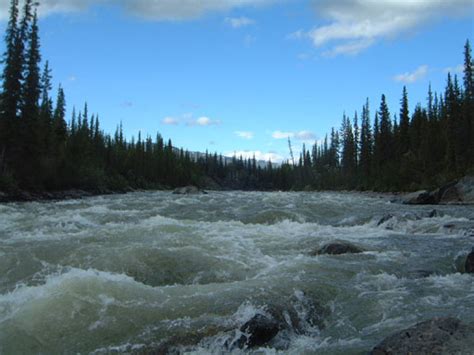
32	86
10	96
366	145
404	137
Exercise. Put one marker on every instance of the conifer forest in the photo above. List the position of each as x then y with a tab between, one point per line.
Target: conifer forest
378	148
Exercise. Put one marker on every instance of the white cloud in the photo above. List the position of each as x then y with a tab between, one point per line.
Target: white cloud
203	122
238	22
356	25
159	10
48	7
170	121
189	120
458	69
350	48
259	155
244	134
306	136
282	135
409	78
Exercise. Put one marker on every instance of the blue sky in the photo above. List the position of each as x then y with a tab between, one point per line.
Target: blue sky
243	75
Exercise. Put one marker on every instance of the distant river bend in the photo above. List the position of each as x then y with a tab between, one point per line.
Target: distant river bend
137	272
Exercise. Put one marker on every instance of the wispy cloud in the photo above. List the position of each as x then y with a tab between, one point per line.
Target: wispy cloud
300	135
356	25
349	48
411	77
244	134
203	122
158	10
458	69
170	121
238	22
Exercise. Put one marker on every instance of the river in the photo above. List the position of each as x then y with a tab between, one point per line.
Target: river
152	270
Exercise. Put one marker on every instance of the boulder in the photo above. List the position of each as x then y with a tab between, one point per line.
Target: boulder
422	197
337	248
258	331
188	190
461	191
465	189
435	336
469	264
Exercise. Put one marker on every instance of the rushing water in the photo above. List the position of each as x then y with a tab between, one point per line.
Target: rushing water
129	273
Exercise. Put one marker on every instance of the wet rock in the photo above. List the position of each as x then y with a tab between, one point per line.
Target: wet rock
384	219
421	198
469	264
306	312
188	190
258	331
450	195
434	213
466	189
458	192
435	336
337	248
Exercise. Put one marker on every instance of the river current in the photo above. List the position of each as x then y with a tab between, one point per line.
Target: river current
153	271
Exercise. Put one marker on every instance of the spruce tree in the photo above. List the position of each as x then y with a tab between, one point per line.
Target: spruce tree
366	145
11	84
404	138
32	86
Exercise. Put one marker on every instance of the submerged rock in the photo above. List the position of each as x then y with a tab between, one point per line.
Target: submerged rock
300	314
258	331
385	219
435	336
469	265
188	190
419	274
337	248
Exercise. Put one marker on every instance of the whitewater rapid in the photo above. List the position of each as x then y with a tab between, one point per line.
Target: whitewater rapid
151	270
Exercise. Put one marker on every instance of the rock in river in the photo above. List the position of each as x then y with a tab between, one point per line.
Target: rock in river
337	248
258	331
435	336
469	265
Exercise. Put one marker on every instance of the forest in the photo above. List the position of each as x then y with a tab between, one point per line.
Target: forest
42	150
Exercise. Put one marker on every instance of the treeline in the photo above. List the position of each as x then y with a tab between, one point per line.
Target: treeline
432	145
40	150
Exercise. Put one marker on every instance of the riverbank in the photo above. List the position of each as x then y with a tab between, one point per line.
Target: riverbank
459	192
72	194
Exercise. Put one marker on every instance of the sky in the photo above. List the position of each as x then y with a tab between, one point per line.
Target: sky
241	76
